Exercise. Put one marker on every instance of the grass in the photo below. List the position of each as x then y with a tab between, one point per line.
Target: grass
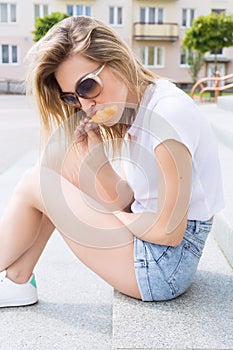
208	96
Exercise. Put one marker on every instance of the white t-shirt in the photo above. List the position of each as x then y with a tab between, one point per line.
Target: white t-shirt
166	112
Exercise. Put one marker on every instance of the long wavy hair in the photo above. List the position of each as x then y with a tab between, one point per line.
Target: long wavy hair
96	41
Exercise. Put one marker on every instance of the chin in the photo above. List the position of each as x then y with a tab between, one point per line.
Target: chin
109	124
113	121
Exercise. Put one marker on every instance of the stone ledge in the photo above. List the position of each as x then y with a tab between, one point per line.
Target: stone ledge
226	102
223	225
221	122
199	319
223	234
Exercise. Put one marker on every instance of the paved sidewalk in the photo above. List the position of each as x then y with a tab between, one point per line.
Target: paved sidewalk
19	129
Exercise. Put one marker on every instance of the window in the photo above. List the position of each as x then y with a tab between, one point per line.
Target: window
218	11
160	14
152	56
184	57
78	10
9	54
41	10
188	16
7	13
217	52
115	15
151	15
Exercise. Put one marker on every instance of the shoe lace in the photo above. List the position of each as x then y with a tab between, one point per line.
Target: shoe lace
2	275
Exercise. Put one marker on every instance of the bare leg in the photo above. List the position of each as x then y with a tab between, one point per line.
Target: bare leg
114	265
24	230
21	270
18	228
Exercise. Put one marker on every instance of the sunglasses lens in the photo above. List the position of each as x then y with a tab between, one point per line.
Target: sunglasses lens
89	88
70	100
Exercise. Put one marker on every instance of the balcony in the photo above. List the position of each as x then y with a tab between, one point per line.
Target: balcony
158	31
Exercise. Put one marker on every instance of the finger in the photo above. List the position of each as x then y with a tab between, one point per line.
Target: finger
80	130
86	119
81	139
93	139
80	134
95	126
91	127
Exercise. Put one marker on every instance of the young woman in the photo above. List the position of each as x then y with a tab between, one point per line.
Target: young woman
140	224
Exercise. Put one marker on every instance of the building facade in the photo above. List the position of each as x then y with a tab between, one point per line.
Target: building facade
154	29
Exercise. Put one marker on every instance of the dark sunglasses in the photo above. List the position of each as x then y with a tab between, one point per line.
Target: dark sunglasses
90	86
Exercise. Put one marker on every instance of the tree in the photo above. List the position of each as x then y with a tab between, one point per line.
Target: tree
42	25
195	61
210	33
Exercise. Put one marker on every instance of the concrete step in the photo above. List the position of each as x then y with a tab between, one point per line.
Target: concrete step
226	102
75	305
202	318
222	122
223	225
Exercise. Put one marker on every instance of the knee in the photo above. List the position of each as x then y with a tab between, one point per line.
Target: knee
29	181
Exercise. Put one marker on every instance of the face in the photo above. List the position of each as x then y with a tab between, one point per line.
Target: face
111	91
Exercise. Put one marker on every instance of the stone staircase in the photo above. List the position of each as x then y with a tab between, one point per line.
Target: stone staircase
79	311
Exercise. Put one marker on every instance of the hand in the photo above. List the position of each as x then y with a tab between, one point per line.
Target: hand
90	143
84	130
97	178
87	137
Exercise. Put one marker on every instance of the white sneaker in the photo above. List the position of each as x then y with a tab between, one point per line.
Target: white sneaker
16	294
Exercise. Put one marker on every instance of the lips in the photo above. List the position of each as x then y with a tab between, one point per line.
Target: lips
104	115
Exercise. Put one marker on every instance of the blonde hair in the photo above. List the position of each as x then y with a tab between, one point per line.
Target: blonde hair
94	40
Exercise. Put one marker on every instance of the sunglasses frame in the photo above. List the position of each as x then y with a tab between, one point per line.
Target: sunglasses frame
94	76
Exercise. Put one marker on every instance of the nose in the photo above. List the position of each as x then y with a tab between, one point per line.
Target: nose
86	103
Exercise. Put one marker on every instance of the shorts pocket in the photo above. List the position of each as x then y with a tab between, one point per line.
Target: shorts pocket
195	247
157	252
198	235
184	272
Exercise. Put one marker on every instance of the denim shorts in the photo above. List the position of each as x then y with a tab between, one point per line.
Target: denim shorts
165	272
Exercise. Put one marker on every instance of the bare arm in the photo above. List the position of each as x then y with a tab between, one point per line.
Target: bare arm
97	178
167	226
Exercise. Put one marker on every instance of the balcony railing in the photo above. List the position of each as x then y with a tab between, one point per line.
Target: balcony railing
158	31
